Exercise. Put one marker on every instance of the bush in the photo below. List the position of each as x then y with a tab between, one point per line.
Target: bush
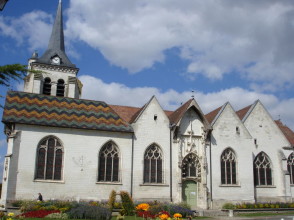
173	209
89	212
57	216
229	206
127	203
111	201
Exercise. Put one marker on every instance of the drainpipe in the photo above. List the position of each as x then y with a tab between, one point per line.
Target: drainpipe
171	163
171	168
132	164
211	200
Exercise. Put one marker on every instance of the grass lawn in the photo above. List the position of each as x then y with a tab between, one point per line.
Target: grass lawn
263	214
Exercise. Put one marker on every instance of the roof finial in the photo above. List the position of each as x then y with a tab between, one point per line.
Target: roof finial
192	94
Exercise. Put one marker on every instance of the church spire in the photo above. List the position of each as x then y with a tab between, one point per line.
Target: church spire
55	53
57	37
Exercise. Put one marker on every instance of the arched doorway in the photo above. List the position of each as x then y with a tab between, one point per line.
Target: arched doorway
191	175
189	193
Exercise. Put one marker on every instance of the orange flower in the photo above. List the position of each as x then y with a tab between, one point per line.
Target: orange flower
163	216
143	206
177	216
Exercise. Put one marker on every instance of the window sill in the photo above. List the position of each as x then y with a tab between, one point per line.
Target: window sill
49	181
109	183
229	185
269	186
154	184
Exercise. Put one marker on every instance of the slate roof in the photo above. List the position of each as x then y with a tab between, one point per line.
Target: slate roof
289	134
56	43
36	109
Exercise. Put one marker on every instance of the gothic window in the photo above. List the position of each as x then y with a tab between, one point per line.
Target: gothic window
191	167
228	167
262	170
109	163
47	86
153	165
60	88
49	159
290	167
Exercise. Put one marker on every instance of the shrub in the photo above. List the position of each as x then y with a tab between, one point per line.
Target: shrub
157	208
89	212
127	203
229	206
173	209
111	200
57	216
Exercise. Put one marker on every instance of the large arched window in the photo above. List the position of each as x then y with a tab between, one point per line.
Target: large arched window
228	167
153	165
262	170
49	159
191	167
290	167
47	86
109	163
60	88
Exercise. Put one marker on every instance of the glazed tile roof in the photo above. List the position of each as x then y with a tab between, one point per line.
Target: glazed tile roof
36	109
127	113
289	134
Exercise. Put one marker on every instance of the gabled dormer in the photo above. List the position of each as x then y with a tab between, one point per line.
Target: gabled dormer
57	75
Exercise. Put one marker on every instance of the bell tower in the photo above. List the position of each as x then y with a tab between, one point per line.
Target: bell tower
56	75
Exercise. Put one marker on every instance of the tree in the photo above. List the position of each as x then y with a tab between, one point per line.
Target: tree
13	71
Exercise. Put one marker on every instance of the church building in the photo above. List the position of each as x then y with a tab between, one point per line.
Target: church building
70	148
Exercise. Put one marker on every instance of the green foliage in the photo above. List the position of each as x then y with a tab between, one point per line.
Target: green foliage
57	216
13	71
127	203
83	211
229	206
111	201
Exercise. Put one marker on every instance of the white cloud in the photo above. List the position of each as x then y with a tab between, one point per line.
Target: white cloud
215	36
32	29
120	94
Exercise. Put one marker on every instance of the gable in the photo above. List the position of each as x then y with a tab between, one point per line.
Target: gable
151	109
36	109
228	123
260	124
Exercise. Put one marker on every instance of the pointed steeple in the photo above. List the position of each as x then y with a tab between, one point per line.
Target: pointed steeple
56	44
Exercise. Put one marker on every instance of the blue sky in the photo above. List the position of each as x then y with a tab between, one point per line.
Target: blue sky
128	51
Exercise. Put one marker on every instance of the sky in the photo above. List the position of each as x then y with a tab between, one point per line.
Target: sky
216	51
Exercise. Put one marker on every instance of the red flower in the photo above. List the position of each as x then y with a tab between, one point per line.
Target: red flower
38	213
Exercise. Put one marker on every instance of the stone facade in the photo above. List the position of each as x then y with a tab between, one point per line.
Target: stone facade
181	155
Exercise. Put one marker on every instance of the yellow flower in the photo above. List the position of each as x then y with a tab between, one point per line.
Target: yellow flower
177	216
9	219
143	206
163	216
10	214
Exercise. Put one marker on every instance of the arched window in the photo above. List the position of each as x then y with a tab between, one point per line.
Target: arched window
47	86
49	159
153	165
191	167
262	170
109	163
228	167
290	167
60	88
